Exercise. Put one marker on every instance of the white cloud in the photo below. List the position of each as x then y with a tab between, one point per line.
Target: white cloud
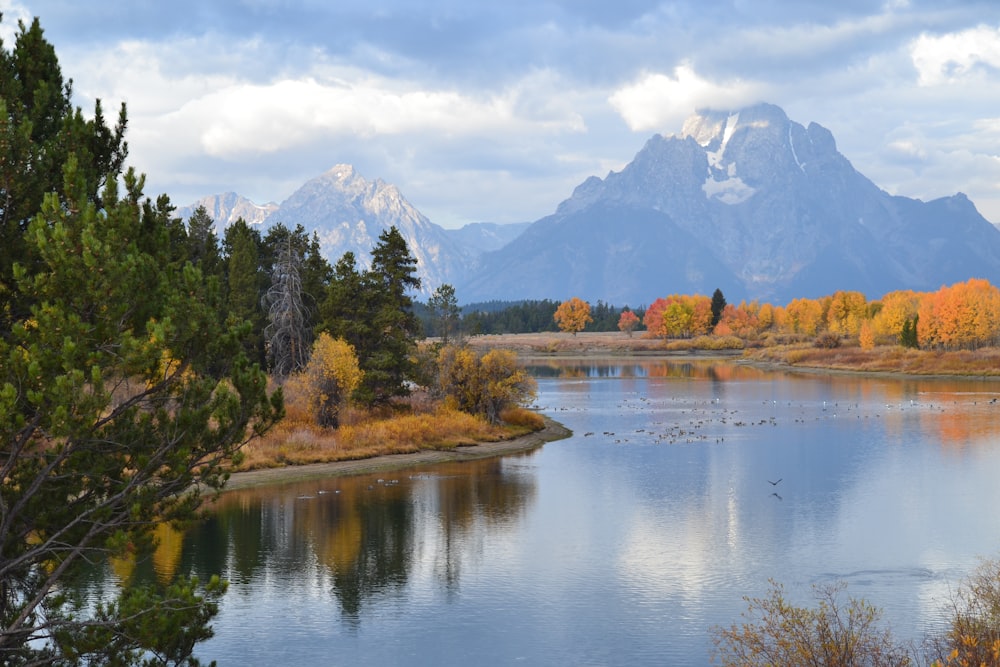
12	13
957	56
657	100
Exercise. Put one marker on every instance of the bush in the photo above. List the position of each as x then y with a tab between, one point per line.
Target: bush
827	341
524	418
829	635
328	380
973	635
483	385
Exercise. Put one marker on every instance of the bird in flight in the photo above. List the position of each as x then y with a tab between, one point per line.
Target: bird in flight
775	483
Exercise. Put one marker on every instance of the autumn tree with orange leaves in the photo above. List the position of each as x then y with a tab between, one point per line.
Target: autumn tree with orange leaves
963	316
679	316
743	320
573	315
627	322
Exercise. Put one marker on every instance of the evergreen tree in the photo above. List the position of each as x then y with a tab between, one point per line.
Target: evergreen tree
908	335
110	422
387	357
202	242
444	311
244	285
718	305
344	311
39	129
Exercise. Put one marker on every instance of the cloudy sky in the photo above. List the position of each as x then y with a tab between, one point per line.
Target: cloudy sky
496	109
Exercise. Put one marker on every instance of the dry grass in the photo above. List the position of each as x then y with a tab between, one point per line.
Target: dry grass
709	343
296	440
784	349
552	343
885	359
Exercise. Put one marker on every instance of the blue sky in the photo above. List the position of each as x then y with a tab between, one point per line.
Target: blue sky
495	111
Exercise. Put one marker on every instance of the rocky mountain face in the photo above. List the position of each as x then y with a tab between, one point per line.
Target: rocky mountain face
229	207
746	201
348	213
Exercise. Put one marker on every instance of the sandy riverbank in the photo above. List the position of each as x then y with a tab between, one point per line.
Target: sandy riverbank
243	480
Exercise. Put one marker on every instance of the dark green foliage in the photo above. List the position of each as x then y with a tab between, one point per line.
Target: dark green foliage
345	311
373	311
445	314
496	317
39	129
115	411
145	625
203	244
908	336
388	359
108	415
500	317
718	305
244	280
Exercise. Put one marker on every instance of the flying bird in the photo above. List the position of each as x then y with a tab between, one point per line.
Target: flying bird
775	483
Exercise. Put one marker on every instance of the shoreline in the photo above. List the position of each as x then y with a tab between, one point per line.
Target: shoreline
531	352
298	473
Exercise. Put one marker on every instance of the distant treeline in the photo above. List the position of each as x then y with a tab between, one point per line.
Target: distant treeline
527	316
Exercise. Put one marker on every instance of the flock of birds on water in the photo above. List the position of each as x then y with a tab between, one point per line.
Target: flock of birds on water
701	421
707	420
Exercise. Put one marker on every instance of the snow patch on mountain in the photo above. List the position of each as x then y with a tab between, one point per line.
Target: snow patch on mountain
730	191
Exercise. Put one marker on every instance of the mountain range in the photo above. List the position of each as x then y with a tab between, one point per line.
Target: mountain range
747	201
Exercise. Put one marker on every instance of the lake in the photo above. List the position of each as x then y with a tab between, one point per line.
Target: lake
686	486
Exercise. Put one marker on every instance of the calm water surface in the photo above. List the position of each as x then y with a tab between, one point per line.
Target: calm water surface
626	543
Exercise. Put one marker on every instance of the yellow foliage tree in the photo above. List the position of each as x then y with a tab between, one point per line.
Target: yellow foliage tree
804	316
846	312
483	385
573	315
679	316
897	308
330	377
866	336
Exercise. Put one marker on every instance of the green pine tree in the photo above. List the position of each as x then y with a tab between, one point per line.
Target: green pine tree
114	415
110	419
389	360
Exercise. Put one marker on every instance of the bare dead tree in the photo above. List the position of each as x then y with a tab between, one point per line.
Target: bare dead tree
287	336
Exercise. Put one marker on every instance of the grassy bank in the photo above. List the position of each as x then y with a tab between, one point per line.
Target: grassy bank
426	427
803	354
297	440
885	359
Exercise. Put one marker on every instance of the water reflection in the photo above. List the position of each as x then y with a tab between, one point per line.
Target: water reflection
625	543
365	533
960	412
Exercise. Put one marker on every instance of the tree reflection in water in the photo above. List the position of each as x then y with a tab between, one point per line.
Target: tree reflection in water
366	532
